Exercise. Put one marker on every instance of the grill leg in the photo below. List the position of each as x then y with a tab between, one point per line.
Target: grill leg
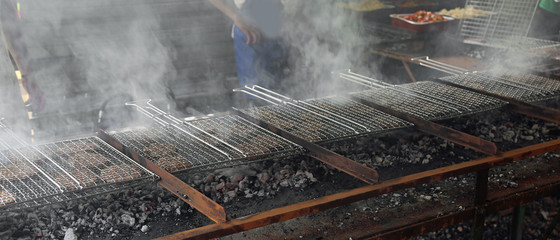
408	71
481	193
516	222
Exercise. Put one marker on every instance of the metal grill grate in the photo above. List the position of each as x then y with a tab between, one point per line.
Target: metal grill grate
53	172
430	101
467	101
505	21
321	120
369	118
207	143
304	124
519	86
249	139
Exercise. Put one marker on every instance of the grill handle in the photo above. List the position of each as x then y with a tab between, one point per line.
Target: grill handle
263	94
361	79
168	120
437	65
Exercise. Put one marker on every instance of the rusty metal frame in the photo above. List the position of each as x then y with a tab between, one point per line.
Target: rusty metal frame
362	193
317	152
438	130
188	194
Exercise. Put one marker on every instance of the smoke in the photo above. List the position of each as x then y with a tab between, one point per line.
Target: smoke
323	38
81	54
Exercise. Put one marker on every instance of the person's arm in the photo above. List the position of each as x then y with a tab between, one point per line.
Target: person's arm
253	34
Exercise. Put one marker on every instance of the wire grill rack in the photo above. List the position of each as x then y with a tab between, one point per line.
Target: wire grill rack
207	143
504	23
370	119
31	176
430	101
251	140
322	120
425	100
520	86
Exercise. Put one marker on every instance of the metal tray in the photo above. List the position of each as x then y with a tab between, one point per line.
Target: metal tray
399	21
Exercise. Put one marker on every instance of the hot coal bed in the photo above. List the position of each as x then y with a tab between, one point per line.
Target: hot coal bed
148	211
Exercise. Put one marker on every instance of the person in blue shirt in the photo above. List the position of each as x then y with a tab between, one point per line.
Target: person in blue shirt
257	33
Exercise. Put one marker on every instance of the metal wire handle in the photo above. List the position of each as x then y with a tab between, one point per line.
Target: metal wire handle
168	120
271	96
362	80
440	66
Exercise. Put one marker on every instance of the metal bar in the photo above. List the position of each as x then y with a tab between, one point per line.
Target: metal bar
516	222
354	195
437	65
529	109
480	196
333	159
188	194
435	129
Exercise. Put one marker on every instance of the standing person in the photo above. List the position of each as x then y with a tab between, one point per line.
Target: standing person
257	32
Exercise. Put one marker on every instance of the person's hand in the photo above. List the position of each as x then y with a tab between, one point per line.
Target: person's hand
253	34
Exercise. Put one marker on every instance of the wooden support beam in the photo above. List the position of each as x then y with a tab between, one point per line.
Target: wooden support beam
354	195
173	184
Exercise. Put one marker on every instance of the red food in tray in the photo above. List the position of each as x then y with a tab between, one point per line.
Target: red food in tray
424	16
421	21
